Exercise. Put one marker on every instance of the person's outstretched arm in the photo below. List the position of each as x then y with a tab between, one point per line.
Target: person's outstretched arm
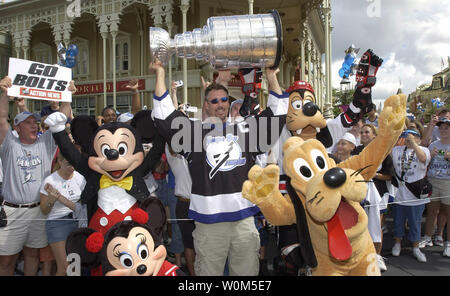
5	83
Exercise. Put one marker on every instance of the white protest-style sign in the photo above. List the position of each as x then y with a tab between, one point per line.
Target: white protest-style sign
39	81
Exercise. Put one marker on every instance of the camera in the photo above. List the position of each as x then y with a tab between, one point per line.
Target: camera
189	108
178	83
405	133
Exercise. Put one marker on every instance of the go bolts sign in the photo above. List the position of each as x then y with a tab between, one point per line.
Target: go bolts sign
39	81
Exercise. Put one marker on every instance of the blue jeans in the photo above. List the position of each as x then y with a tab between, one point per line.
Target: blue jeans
167	196
59	230
414	216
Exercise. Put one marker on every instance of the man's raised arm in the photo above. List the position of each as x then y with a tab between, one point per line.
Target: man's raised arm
278	101
65	107
5	83
162	103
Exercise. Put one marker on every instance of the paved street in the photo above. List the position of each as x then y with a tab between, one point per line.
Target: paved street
405	264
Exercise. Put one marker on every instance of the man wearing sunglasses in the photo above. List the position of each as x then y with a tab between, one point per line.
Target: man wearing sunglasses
216	102
224	222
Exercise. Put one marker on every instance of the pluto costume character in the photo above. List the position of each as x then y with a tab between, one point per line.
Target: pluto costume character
304	119
330	193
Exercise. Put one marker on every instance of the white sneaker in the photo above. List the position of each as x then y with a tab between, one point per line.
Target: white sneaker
419	255
381	263
446	249
396	250
438	241
425	242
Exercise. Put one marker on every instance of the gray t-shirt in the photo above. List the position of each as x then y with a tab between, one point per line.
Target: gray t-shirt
439	167
25	167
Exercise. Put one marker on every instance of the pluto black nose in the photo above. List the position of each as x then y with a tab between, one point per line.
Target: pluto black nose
141	269
335	177
112	154
310	109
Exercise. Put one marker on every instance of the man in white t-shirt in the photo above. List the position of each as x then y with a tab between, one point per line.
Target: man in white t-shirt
26	162
410	164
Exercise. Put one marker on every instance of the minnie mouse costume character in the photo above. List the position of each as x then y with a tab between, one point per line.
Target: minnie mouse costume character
129	248
112	161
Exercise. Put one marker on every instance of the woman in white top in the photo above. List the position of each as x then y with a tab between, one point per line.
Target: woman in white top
59	193
410	164
439	176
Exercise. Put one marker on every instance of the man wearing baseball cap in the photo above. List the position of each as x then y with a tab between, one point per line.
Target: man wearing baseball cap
26	162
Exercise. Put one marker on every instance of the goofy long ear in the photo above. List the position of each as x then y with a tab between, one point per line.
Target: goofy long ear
76	243
157	218
143	123
83	128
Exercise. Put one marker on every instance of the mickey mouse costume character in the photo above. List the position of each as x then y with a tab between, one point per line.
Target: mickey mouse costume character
112	161
129	248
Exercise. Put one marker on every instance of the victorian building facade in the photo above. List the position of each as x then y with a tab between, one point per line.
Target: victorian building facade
439	88
113	41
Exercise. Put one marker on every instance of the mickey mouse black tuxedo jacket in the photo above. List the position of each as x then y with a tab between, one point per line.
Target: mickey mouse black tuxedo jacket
79	161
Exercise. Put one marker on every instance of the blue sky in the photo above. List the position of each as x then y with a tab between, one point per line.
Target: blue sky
410	35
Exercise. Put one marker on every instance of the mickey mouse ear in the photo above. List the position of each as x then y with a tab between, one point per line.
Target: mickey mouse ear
143	123
83	129
139	216
94	243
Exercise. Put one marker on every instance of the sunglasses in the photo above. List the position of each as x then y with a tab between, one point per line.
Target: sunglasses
364	132
215	101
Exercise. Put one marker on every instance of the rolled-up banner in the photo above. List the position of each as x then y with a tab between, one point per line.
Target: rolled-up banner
238	41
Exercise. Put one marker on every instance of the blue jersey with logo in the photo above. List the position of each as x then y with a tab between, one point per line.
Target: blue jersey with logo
219	157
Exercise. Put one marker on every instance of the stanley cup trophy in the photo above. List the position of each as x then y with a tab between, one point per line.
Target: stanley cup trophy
239	41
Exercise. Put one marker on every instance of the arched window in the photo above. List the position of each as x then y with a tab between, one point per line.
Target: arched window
42	53
81	69
122	58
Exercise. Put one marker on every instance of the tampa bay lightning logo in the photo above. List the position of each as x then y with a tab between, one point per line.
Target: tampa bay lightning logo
223	154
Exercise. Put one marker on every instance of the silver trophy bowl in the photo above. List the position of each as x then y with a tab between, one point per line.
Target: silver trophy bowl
239	41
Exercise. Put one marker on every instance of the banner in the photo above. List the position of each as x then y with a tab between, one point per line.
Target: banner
39	81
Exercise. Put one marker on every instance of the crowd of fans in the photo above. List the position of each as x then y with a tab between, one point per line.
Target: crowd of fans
40	190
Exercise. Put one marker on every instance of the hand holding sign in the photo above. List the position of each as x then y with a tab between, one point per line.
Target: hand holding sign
5	83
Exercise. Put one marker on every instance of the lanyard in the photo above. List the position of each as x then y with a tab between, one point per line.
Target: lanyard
403	166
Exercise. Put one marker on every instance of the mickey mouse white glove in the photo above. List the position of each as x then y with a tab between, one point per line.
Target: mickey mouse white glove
56	122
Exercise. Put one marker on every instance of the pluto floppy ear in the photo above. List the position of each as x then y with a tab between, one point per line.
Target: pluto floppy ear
76	243
157	218
83	128
143	123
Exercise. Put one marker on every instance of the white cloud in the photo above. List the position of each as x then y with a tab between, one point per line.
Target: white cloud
411	37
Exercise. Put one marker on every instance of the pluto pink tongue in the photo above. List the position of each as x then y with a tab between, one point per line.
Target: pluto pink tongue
338	242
